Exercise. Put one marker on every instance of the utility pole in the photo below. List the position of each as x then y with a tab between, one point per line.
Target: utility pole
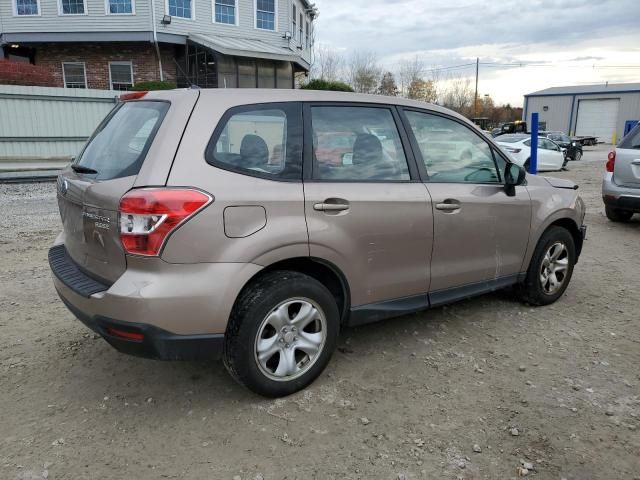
475	101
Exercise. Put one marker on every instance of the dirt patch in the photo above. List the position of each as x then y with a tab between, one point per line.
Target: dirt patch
555	387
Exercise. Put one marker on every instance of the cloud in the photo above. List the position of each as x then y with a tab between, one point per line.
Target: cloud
552	32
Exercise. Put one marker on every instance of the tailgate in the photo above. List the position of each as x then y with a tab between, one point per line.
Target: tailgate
627	167
112	163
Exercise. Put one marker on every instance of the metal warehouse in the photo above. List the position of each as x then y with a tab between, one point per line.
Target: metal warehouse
605	111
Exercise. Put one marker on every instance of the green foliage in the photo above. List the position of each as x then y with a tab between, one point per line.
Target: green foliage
154	85
320	84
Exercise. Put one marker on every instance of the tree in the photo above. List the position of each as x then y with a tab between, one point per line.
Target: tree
320	84
364	71
410	70
422	90
328	64
458	96
388	85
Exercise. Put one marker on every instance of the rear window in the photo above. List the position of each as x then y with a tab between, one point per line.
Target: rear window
632	140
119	145
510	138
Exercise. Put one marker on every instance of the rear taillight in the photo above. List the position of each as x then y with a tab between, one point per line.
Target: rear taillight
611	161
513	150
149	215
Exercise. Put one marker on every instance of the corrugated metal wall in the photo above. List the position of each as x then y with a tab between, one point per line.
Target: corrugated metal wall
43	122
563	110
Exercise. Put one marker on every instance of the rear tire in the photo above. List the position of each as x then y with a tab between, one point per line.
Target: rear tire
550	269
617	215
526	165
577	156
281	333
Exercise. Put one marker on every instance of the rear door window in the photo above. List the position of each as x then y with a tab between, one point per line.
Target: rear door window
354	143
260	140
120	144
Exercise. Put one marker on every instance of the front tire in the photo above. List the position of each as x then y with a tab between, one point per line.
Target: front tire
281	333
617	215
550	269
577	156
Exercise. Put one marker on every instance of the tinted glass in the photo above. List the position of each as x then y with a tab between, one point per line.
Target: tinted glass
451	152
119	145
357	144
260	142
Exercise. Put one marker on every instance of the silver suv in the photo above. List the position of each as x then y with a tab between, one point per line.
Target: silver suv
621	184
256	224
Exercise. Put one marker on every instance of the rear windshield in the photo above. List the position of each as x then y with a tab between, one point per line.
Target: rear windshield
119	145
632	140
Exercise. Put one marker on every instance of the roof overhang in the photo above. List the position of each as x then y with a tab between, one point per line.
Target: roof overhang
252	48
45	37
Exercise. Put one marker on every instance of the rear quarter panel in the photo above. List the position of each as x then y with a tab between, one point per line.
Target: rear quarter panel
203	239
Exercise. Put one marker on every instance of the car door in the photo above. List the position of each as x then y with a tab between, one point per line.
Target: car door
480	233
549	155
367	211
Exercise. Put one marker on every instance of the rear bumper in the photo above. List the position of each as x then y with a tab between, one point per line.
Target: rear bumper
174	311
154	342
617	196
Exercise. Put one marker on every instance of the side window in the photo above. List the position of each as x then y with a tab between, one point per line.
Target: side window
451	152
264	142
357	144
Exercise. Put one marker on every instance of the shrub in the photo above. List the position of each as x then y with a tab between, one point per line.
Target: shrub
154	85
319	84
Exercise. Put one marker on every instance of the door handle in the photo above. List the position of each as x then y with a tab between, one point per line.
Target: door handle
330	207
448	206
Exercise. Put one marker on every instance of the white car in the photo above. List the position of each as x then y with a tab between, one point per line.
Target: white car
518	147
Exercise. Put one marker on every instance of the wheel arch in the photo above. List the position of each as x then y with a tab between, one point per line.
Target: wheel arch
321	270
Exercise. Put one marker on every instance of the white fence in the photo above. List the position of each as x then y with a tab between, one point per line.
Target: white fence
43	122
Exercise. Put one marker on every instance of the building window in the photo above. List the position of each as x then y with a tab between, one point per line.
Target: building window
181	8
294	28
121	7
225	11
266	14
120	75
300	31
74	75
72	7
307	33
27	7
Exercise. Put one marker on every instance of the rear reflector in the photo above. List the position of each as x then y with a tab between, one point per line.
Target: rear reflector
611	161
132	96
116	332
149	215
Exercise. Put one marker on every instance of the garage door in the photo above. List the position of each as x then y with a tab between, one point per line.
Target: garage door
598	118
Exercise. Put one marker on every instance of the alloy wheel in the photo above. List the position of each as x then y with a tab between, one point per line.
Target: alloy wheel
553	271
290	339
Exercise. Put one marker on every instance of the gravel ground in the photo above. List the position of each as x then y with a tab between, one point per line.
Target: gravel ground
472	390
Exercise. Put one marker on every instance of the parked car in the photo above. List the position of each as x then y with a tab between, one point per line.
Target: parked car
573	148
621	184
518	146
192	243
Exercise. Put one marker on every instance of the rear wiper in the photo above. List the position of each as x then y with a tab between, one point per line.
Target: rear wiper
81	169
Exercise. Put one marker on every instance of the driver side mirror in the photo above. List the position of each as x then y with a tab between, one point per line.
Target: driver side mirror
514	175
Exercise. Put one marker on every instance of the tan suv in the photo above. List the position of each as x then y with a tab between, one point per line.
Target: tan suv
203	222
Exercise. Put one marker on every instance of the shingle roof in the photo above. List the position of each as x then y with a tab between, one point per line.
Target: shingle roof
582	89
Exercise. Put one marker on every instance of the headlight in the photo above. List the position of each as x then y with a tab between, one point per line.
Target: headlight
574	144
